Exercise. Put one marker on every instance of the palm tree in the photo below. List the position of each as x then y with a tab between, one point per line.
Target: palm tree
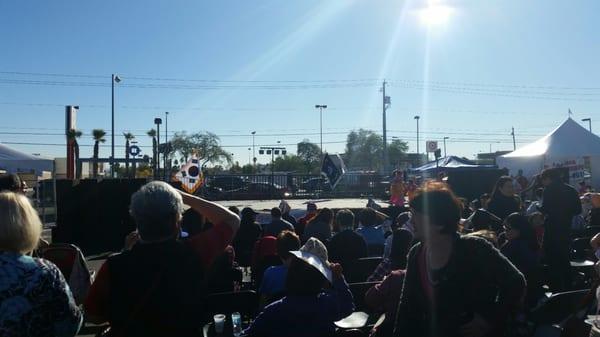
98	135
152	134
128	136
72	136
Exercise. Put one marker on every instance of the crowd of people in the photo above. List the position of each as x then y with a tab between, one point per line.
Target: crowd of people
447	266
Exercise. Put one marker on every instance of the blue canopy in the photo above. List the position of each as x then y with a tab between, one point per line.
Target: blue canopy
450	163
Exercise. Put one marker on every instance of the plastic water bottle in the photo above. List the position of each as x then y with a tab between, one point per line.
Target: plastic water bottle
236	324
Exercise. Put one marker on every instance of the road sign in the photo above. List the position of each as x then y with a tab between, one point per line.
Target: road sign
134	150
431	145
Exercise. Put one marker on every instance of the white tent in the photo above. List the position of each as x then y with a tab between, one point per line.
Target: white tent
569	145
13	161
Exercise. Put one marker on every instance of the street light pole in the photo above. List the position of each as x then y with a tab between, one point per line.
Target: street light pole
253	149
321	107
114	78
158	122
418	153
445	155
589	120
166	142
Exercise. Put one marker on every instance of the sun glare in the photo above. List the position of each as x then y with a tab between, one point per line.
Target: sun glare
435	14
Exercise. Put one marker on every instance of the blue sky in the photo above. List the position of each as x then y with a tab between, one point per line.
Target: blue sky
493	65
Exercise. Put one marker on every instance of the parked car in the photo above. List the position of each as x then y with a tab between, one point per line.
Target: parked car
260	191
315	184
227	183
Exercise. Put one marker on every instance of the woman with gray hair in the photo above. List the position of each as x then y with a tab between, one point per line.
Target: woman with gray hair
35	299
156	288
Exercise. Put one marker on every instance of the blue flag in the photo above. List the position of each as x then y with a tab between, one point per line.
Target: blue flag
333	168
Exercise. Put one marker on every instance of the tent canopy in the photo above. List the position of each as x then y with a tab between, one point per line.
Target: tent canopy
568	141
13	161
450	163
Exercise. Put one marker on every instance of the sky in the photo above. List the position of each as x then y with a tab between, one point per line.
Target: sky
236	66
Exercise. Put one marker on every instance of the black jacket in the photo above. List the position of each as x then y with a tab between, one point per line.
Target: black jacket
477	279
560	203
503	206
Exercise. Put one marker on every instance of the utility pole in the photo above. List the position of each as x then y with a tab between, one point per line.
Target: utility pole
321	107
166	145
253	149
386	103
445	155
513	137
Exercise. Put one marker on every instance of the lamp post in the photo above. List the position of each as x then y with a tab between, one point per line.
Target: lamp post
445	146
114	79
166	142
158	122
253	149
417	117
589	120
321	107
249	158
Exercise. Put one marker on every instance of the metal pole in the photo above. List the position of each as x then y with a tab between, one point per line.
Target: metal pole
418	137
272	171
385	147
253	149
321	117
166	142
590	124
513	137
157	150
445	155
112	133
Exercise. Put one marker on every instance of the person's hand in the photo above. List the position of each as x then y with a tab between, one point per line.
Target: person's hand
477	327
131	239
336	270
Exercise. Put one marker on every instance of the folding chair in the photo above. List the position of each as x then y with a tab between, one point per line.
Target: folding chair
580	248
360	269
358	293
558	307
71	262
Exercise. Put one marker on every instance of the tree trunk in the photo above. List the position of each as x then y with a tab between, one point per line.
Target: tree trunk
95	166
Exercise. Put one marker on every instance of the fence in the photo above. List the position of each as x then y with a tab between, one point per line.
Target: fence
277	186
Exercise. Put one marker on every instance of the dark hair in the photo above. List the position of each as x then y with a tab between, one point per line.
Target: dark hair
276	212
323	215
436	200
345	218
401	243
526	232
367	217
192	222
303	279
10	182
551	173
539	192
234	210
287	241
499	183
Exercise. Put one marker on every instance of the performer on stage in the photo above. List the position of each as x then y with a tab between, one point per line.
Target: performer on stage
397	189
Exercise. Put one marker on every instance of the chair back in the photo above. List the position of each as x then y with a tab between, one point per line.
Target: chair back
580	248
358	293
558	307
360	269
71	263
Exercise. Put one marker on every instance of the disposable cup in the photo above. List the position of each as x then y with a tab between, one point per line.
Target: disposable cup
219	323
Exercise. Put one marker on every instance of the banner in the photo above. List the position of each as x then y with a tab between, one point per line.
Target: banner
333	168
190	175
576	167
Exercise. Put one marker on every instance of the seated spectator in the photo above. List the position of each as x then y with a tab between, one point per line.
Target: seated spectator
504	201
193	223
156	288
234	210
320	226
285	213
224	275
277	224
246	237
35	299
401	243
523	250
311	211
346	245
537	223
10	182
368	228
264	256
307	309
401	221
473	286
273	281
